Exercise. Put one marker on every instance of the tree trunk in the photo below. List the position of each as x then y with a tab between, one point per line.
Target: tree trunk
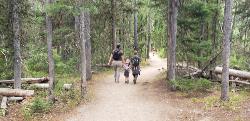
214	29
135	28
226	49
149	36
16	92
88	45
113	5
50	56
202	31
83	53
17	50
172	30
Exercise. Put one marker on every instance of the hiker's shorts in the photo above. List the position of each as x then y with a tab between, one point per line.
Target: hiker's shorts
117	63
126	73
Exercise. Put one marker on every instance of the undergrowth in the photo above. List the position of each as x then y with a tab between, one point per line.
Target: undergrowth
236	99
190	85
65	98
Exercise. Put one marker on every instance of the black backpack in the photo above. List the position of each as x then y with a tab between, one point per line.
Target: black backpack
116	54
135	61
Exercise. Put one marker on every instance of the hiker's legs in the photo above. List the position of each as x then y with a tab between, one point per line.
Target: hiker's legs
126	75
136	72
117	67
118	73
115	73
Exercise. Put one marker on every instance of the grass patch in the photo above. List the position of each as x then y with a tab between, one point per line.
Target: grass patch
162	53
233	104
36	106
190	85
144	63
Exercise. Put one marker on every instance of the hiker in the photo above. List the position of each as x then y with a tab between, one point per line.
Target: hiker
116	60
126	66
154	51
135	65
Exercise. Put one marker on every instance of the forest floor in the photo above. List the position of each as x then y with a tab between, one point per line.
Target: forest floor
149	100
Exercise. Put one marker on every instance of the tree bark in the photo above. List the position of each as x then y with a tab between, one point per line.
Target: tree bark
202	31
16	92
226	49
135	28
83	53
50	56
172	30
214	29
88	45
17	49
113	5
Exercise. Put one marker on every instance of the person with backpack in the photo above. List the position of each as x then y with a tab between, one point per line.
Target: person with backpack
135	65
116	60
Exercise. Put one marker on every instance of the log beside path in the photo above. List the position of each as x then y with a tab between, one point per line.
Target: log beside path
4	106
233	72
27	80
46	86
16	92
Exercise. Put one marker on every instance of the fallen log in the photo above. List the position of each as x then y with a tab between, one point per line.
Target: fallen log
27	80
233	72
4	103
46	86
15	98
242	82
16	92
103	65
4	106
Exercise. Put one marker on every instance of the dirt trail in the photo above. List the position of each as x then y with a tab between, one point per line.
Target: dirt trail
145	101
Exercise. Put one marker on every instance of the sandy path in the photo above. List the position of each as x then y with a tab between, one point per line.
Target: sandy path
122	102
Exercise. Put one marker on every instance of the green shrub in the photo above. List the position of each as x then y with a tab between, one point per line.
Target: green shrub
37	105
162	52
36	64
239	62
65	67
191	85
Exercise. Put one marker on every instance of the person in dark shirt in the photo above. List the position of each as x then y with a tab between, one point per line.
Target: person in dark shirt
116	60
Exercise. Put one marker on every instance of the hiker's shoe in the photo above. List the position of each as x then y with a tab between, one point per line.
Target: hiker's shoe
134	81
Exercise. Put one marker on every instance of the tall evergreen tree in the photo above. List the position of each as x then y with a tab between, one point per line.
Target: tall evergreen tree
227	27
50	55
172	30
82	50
16	39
